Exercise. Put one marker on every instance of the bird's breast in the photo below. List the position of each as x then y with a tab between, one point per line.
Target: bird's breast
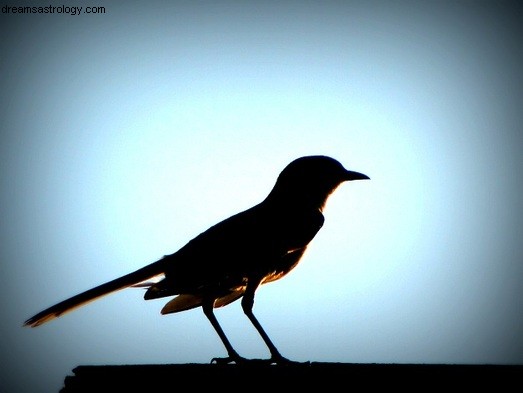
298	228
284	265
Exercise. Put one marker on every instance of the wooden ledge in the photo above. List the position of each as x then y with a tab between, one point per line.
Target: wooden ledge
197	377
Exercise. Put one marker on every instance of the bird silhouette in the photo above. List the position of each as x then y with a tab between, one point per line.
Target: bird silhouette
231	259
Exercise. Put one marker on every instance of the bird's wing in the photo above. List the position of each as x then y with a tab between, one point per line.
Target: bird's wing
224	252
259	242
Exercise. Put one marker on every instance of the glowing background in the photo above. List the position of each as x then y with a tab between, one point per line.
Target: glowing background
124	135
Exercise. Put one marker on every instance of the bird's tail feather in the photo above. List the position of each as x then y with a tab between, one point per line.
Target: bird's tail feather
83	298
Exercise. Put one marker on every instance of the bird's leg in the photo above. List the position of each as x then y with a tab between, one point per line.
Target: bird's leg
247	305
207	307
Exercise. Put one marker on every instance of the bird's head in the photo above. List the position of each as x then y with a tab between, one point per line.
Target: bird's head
310	180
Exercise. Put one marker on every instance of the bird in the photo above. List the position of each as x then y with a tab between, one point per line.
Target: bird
233	258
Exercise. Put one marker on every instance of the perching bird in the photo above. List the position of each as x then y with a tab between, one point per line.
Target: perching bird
233	258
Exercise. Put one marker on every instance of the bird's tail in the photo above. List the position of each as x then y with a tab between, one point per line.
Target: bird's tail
83	298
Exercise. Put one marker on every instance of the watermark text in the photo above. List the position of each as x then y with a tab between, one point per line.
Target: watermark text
50	9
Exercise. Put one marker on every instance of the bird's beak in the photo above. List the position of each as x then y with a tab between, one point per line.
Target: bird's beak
350	175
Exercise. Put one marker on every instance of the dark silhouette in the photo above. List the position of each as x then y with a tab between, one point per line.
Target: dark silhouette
323	376
234	257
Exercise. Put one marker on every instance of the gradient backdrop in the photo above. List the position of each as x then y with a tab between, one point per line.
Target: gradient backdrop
125	134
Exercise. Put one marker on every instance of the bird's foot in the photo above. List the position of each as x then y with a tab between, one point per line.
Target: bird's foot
283	361
275	359
237	359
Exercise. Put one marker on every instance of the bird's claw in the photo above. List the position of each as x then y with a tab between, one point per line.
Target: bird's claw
280	360
229	359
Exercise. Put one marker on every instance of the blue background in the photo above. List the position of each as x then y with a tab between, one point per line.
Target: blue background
125	134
